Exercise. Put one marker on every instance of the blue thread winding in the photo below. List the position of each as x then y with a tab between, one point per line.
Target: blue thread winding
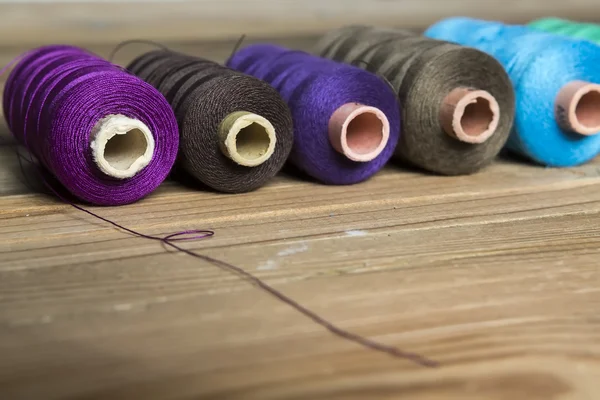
538	64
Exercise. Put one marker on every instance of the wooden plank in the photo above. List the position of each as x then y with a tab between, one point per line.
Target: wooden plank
35	23
288	196
494	275
504	296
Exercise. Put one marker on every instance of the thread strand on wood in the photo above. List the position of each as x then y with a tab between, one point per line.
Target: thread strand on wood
195	234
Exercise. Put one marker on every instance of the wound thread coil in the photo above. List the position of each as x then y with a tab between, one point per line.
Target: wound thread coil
424	72
204	96
556	80
346	120
108	137
565	27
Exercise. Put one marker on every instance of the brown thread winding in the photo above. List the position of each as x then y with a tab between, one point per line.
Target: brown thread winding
203	94
423	72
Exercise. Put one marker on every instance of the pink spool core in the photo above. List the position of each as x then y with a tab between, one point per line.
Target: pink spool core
359	132
470	116
578	108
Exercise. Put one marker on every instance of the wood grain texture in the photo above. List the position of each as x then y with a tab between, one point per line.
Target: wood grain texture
101	22
495	275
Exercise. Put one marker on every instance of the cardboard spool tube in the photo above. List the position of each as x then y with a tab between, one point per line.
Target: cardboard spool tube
247	138
470	115
578	108
121	146
359	132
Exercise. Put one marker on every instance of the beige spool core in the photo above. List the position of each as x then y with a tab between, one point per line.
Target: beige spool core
578	108
247	138
471	116
359	132
121	146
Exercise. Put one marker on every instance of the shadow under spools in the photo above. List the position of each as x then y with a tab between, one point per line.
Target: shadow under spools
346	120
557	84
457	103
107	136
235	131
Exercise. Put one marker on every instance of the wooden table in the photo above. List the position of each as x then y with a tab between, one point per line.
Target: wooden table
495	276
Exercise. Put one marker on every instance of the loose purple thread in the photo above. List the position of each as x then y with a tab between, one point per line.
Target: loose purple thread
204	234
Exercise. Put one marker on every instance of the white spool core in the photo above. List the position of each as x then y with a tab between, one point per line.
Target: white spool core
121	146
247	138
578	107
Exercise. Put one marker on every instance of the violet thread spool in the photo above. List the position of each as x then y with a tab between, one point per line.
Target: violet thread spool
107	136
457	103
235	131
346	120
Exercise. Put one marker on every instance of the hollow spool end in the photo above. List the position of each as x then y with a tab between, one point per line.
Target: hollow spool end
121	146
469	115
578	107
359	132
247	138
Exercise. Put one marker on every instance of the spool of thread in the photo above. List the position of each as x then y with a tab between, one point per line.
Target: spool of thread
557	87
235	131
346	120
558	26
108	137
457	103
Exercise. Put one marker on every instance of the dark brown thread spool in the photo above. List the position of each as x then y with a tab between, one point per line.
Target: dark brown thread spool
431	77
227	120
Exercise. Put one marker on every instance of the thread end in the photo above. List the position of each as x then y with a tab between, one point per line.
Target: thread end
121	146
246	138
578	108
359	132
471	116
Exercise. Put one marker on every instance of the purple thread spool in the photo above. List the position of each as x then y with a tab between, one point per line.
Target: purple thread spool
346	120
107	136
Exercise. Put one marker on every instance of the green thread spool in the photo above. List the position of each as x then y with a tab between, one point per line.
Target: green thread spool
558	26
